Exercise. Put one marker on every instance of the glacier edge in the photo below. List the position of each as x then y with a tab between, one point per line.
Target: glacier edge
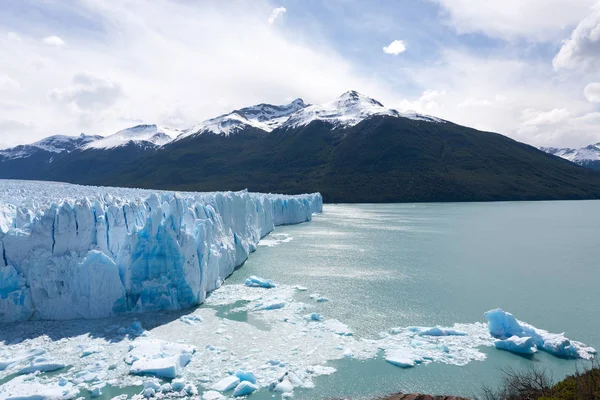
74	251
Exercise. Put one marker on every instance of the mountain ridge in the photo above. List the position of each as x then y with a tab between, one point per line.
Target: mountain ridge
352	149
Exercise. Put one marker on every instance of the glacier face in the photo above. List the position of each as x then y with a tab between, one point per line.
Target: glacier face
73	251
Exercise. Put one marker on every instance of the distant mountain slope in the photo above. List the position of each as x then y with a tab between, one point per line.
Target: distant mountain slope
145	135
588	156
381	159
352	149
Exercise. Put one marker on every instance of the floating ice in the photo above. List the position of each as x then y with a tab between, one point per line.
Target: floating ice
226	384
503	325
245	376
32	387
255	281
41	364
191	319
403	358
244	388
515	344
20	357
212	395
73	252
436	331
158	358
275	239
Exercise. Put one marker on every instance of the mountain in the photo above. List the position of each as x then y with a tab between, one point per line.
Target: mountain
352	149
265	117
588	156
29	161
50	146
144	135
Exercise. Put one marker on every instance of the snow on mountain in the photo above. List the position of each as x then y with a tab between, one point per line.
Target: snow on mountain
140	134
348	110
71	251
579	156
52	144
261	116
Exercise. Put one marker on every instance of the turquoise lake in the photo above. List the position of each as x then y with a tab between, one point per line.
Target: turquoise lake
437	264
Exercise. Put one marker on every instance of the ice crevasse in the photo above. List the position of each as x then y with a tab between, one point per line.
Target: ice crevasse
72	251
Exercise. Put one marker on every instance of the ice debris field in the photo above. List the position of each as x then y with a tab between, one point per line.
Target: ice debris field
163	252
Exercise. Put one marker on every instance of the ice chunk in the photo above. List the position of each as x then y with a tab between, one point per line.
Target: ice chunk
244	388
20	357
403	358
255	281
316	317
226	384
283	386
515	344
191	319
436	331
31	387
212	395
41	364
272	306
504	325
158	358
245	376
177	385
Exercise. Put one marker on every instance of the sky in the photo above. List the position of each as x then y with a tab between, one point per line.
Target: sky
527	69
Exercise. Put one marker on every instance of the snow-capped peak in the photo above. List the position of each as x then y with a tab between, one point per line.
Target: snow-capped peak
347	110
261	116
582	155
51	144
149	134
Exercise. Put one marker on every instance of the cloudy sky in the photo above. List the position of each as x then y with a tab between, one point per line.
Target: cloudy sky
527	69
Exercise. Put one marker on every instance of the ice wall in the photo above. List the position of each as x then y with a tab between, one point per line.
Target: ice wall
73	251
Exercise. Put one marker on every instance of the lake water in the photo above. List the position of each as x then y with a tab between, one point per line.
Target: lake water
436	264
380	266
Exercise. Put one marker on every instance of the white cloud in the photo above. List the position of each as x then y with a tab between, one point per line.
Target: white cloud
7	83
54	41
275	14
582	49
474	102
532	117
592	92
428	102
542	20
88	92
395	48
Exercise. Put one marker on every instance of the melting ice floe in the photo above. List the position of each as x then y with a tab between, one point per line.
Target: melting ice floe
520	337
225	355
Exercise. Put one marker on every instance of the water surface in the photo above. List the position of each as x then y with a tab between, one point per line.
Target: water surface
384	266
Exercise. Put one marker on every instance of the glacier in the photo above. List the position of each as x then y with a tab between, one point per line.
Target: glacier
71	251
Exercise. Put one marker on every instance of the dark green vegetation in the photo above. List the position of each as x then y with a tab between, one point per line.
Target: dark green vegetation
382	159
536	384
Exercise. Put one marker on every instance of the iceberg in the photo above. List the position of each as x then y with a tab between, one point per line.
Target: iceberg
503	325
255	281
244	388
515	344
402	358
158	358
71	252
226	384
